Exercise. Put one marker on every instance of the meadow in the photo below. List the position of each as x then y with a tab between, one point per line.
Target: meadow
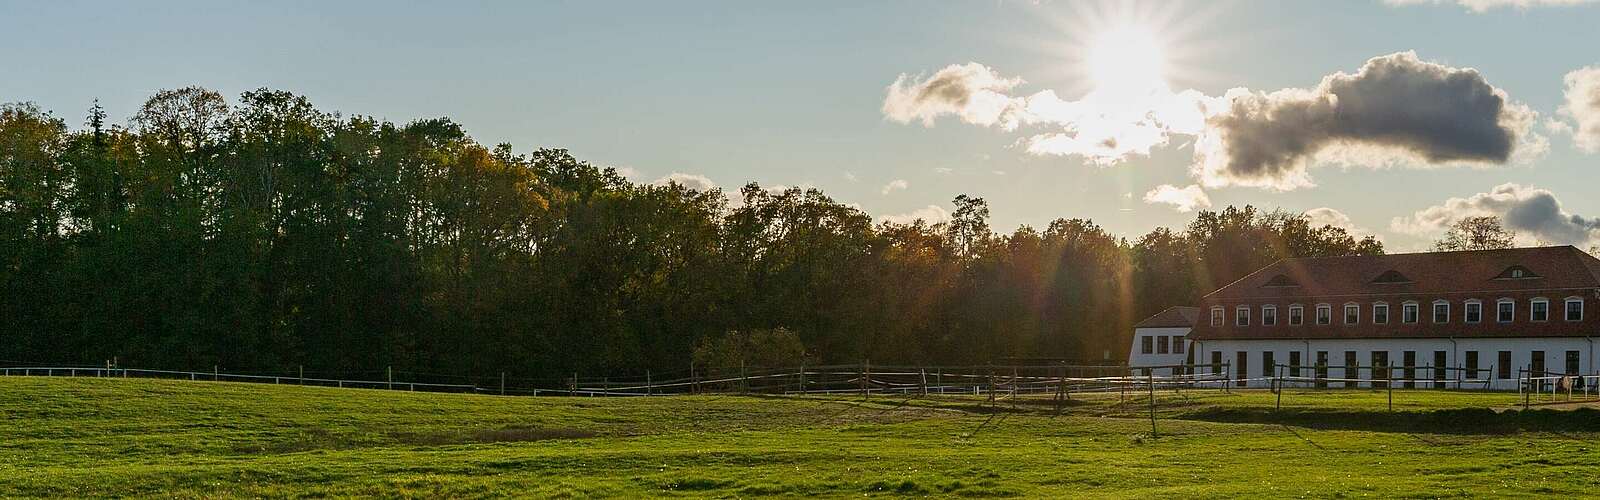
90	437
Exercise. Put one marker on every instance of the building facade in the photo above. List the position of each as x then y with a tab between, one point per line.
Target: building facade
1161	341
1473	319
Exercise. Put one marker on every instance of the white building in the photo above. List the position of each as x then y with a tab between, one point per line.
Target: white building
1161	341
1471	319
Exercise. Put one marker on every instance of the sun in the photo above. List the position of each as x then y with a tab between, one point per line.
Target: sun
1126	58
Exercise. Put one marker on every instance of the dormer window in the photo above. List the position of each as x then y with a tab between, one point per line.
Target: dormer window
1505	310
1408	312
1216	316
1574	308
1539	309
1391	277
1280	281
1516	273
1269	315
1474	310
1352	314
1380	313
1324	314
1297	314
1241	316
1441	311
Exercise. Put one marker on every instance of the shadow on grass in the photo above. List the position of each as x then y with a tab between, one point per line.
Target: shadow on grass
1453	421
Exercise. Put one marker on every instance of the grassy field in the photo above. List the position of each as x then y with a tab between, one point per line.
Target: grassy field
111	437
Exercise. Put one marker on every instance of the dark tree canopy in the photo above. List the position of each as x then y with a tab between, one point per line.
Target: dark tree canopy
264	233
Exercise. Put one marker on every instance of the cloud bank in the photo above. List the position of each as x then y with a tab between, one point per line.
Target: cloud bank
1534	213
1183	199
692	181
1582	106
1395	110
1481	6
932	214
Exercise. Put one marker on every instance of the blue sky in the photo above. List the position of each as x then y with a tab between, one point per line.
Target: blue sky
793	94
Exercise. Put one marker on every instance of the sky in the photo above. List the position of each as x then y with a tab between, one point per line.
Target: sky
1390	118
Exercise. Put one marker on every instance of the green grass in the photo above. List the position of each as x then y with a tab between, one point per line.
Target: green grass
111	437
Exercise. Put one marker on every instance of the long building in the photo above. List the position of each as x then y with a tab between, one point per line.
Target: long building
1422	319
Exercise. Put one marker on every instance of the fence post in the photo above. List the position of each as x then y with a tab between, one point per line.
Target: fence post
390	371
1390	386
1278	383
1152	380
302	374
502	383
694	379
649	384
214	373
744	381
802	379
924	373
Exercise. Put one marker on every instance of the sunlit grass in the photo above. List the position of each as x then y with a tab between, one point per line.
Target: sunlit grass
88	438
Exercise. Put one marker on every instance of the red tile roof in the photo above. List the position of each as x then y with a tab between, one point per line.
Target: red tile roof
1558	272
1173	317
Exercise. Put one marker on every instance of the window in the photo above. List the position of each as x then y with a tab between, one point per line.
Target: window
1502	364
1536	364
1539	310
1441	311
1408	312
1294	363
1380	313
1267	366
1177	345
1146	344
1161	344
1216	361
1572	362
1324	314
1216	316
1506	311
1269	315
1241	316
1352	314
1574	309
1472	365
1474	310
1297	315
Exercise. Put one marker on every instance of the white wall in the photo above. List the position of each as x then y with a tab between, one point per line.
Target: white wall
1555	349
1137	358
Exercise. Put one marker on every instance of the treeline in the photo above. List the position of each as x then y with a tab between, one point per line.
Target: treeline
264	234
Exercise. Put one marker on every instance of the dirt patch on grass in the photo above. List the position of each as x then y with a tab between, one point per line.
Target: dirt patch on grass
1455	421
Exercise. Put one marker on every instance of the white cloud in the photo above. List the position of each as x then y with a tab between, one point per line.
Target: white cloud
850	176
971	91
998	172
628	172
1582	106
1183	199
943	170
1534	213
895	185
1481	6
1325	216
932	214
692	181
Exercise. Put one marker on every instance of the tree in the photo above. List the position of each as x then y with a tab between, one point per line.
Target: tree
1476	233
